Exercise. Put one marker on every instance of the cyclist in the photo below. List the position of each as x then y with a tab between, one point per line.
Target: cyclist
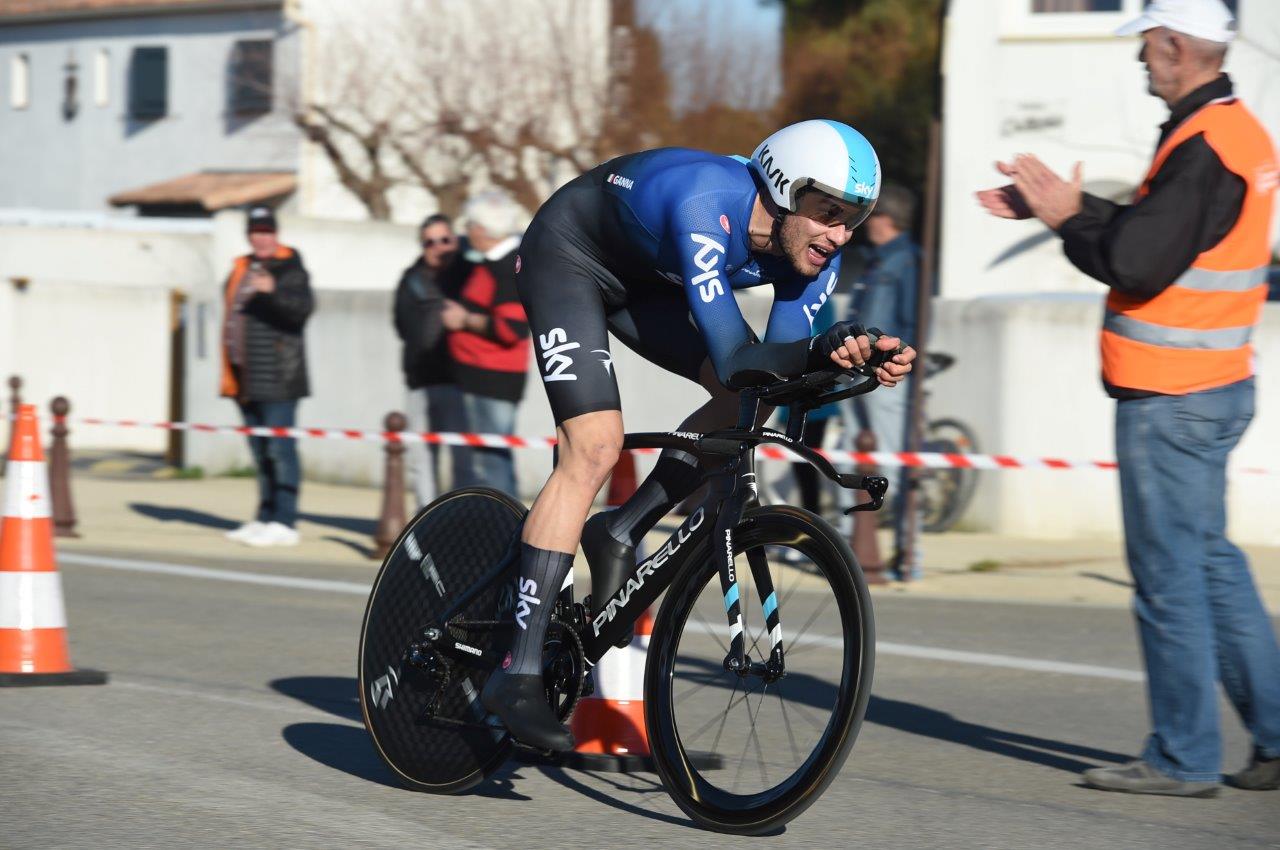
612	251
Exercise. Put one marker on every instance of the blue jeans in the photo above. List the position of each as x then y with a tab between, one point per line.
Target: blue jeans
1199	616
434	408
277	460
488	466
886	413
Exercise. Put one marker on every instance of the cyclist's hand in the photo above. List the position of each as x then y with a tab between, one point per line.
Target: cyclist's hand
893	370
844	344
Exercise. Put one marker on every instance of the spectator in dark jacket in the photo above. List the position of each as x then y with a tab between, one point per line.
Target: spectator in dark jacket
885	296
264	369
434	402
489	335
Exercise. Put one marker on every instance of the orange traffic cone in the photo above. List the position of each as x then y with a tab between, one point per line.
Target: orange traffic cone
609	724
33	623
622	482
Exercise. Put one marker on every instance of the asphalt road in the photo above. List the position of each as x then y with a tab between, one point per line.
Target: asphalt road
231	720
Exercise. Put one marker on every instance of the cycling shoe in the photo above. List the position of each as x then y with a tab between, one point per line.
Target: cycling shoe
521	702
611	563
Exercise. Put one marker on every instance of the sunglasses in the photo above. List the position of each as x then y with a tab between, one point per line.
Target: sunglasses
443	241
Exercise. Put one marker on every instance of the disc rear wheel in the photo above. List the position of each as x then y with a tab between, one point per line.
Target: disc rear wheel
425	718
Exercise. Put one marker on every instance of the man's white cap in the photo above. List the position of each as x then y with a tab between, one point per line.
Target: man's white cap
1207	19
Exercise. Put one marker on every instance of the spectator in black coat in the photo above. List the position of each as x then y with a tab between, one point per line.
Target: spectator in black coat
434	402
264	369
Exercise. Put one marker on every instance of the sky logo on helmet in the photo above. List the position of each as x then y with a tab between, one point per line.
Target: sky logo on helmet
864	189
779	180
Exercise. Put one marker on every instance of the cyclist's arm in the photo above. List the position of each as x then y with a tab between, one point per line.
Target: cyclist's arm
796	303
737	358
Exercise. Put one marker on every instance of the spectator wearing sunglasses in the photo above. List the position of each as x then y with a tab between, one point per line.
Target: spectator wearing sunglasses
434	402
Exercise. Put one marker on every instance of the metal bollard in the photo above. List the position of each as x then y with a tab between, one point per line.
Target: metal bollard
865	546
15	401
64	511
392	519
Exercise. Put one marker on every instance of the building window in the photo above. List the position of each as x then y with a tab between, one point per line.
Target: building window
101	78
1059	6
249	78
19	81
149	83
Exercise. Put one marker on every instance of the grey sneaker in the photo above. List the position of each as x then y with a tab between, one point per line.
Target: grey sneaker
1138	777
1261	774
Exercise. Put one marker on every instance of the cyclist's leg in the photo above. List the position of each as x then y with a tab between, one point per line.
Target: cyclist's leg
655	325
567	320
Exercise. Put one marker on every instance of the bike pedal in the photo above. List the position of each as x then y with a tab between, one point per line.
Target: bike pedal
588	684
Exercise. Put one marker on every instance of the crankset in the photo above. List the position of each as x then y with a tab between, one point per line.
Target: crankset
564	668
433	661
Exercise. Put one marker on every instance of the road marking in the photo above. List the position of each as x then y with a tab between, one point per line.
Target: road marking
352	587
982	659
1035	665
292	707
930	653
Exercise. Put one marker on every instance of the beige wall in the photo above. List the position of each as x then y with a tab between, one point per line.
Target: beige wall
1027	380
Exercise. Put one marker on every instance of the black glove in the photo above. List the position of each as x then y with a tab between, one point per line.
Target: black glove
822	345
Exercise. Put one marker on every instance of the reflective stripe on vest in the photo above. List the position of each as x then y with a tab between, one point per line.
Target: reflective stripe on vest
1220	339
1206	280
1195	334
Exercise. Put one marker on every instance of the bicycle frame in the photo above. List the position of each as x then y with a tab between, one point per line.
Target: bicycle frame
729	457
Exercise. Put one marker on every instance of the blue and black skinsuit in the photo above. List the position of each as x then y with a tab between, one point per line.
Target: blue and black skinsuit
650	246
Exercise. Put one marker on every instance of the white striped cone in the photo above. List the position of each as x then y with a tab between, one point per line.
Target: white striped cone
33	620
611	721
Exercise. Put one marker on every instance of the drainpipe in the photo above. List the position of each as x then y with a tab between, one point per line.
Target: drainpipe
293	12
928	269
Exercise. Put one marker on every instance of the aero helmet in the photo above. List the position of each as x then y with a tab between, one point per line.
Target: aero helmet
826	155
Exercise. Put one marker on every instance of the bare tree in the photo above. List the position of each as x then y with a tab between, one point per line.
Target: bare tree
519	95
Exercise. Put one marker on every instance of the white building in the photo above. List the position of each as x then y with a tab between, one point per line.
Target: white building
185	107
1021	319
1060	85
173	106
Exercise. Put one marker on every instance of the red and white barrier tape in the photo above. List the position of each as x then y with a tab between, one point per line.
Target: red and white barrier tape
929	460
501	441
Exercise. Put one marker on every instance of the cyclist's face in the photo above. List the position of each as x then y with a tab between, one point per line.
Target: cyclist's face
820	226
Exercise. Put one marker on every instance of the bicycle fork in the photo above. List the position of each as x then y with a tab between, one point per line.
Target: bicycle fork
734	503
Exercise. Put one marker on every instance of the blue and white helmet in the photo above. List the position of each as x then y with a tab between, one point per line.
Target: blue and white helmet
826	155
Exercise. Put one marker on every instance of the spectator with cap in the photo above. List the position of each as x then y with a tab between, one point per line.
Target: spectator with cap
434	401
885	296
489	335
267	300
1186	266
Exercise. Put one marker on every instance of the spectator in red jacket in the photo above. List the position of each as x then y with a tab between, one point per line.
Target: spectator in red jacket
489	336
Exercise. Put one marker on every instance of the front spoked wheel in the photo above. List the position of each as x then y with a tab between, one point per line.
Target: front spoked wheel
776	744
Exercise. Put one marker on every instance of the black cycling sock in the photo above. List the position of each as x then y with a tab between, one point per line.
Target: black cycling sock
542	573
674	476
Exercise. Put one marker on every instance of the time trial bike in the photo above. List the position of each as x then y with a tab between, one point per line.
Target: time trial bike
749	719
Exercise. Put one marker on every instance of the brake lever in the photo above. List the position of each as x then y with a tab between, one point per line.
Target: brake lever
875	486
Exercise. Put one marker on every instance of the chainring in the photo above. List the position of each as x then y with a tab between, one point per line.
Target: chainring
564	668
